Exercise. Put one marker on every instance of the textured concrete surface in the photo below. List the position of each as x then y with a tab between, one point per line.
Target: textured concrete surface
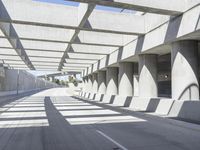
52	120
112	80
101	82
21	81
125	79
185	84
148	76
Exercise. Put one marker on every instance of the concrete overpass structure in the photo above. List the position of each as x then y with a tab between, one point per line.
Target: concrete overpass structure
139	69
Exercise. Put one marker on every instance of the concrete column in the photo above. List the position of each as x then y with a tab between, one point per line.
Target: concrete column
184	59
135	80
112	80
2	76
135	85
102	82
53	79
126	79
89	87
94	83
148	75
86	84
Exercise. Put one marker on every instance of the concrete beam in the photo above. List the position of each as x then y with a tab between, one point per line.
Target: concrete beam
84	12
86	49
80	61
115	22
66	17
12	37
167	7
85	56
76	65
156	41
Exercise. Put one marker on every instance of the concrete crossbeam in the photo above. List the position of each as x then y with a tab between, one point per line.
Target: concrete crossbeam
57	16
115	22
14	41
84	12
89	49
156	41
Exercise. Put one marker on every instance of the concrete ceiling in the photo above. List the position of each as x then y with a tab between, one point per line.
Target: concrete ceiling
43	36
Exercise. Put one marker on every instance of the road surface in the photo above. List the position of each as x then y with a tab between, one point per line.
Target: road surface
54	120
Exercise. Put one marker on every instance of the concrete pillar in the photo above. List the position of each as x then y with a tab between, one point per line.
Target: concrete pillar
94	83
112	80
53	79
86	84
89	87
184	59
2	76
135	80
148	75
126	79
102	82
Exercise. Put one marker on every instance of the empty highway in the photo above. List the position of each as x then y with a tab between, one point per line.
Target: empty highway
54	120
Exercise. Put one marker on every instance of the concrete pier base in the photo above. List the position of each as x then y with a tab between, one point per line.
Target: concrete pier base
112	81
148	75
101	82
89	84
94	83
126	79
185	84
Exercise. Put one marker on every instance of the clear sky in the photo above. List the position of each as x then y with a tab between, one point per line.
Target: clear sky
60	2
64	2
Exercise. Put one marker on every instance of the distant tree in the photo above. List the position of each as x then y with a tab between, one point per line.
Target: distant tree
73	80
57	81
62	82
67	84
75	83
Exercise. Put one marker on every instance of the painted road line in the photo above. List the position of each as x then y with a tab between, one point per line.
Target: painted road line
110	139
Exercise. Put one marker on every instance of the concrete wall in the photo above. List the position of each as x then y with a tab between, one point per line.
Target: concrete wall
21	81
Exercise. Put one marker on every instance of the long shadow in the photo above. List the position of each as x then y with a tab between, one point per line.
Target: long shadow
60	134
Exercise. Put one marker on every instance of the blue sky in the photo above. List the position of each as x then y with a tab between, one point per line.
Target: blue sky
63	2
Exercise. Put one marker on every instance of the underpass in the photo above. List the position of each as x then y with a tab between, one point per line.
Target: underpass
99	74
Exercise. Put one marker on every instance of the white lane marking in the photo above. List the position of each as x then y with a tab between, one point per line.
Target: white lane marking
110	139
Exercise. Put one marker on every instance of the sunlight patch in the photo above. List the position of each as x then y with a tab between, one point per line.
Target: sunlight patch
103	120
24	123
